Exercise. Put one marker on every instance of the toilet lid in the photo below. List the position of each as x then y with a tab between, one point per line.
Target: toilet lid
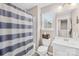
42	48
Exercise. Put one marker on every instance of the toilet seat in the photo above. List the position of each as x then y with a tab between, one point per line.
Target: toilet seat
42	50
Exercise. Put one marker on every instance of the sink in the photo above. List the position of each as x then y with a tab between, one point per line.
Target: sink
70	42
66	39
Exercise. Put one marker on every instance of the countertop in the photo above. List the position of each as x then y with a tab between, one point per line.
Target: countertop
69	42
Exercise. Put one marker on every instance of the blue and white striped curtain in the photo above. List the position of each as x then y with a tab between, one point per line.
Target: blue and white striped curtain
16	32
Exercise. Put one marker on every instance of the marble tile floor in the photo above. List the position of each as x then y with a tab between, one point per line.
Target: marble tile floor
36	54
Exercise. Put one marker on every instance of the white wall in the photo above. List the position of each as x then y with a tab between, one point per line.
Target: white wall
75	25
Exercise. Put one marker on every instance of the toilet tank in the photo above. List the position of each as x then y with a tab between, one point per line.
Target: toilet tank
46	42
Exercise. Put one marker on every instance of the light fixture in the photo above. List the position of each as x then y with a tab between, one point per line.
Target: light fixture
68	5
73	4
60	7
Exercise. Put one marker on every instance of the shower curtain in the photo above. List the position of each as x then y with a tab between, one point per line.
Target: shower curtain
16	31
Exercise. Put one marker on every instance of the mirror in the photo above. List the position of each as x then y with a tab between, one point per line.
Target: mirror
47	21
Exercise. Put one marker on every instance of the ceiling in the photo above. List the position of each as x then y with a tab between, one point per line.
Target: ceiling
64	7
26	6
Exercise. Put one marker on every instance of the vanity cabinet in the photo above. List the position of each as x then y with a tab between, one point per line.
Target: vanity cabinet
77	52
61	50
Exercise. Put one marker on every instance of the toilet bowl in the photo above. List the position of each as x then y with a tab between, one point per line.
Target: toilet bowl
43	49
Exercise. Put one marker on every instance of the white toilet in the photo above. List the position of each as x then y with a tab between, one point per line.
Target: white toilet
42	50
